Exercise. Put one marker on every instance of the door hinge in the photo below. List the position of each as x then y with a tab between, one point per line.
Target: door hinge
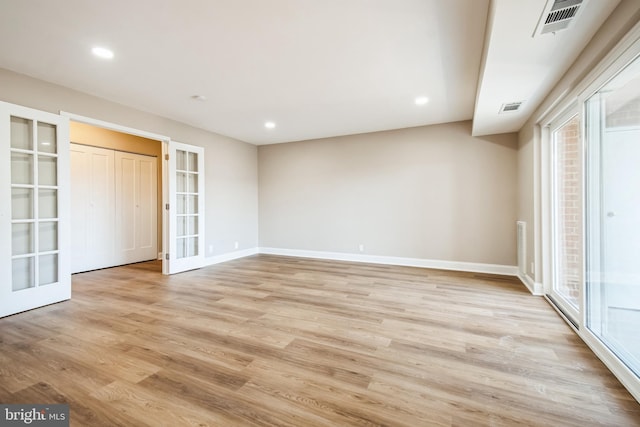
166	206
166	256
166	157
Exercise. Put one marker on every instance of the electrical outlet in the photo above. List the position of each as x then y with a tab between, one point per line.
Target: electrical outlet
361	247
236	245
210	249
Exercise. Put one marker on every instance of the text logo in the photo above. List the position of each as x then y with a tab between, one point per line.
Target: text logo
34	415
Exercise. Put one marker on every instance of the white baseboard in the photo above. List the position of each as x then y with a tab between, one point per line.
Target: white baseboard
507	270
534	287
229	256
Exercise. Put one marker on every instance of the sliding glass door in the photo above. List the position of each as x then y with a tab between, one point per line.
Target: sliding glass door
613	215
567	187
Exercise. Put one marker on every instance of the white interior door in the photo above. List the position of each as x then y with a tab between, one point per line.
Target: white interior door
186	208
136	183
34	213
92	208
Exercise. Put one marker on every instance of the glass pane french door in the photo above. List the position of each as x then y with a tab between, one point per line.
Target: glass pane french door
566	286
186	207
613	215
34	188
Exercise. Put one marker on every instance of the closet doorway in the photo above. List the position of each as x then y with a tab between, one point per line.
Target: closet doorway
116	197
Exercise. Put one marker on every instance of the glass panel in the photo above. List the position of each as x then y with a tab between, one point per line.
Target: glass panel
568	223
21	133
46	138
21	239
181	160
47	170
181	201
192	225
193	162
192	204
182	225
48	237
21	168
181	182
192	246
193	183
21	203
613	215
47	203
22	273
181	248
48	269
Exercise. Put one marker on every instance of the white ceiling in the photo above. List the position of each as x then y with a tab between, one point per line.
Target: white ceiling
519	67
317	68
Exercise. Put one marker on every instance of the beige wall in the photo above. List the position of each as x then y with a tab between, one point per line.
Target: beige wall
431	192
99	137
526	192
230	165
623	18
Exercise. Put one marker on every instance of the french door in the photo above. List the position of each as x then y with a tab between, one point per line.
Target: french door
34	213
186	208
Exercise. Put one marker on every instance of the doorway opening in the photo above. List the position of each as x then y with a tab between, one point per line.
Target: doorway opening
118	190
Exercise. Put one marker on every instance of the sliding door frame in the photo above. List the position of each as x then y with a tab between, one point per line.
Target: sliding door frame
574	101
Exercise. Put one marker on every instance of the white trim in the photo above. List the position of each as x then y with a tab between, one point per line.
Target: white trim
624	52
114	126
593	80
535	288
508	270
628	379
229	256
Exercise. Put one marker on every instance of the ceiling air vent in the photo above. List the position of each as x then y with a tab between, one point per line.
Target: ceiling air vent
510	107
557	15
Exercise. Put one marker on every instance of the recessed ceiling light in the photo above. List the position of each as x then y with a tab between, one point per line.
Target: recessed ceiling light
269	125
422	100
102	52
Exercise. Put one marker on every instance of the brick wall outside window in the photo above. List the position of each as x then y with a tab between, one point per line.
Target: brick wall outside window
568	208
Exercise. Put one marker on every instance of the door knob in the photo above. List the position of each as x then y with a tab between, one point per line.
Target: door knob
611	214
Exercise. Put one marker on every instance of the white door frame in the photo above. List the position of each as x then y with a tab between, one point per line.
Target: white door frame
164	140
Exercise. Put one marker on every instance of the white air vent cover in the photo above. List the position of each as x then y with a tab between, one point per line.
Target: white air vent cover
557	15
510	107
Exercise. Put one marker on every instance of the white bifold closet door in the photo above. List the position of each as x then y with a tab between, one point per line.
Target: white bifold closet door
136	208
114	208
92	208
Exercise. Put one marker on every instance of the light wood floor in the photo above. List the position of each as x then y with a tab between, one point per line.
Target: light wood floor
271	340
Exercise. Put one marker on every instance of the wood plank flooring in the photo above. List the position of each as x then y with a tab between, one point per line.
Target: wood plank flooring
277	341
